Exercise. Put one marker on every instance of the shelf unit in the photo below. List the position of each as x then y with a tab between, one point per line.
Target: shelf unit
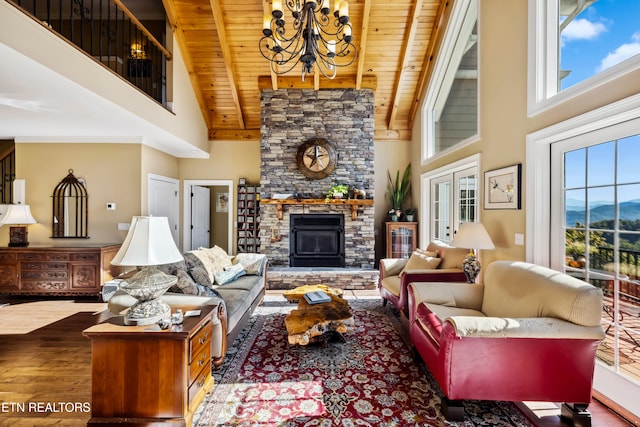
248	218
400	239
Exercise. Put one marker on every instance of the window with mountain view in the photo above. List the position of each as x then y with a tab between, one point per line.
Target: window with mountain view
602	238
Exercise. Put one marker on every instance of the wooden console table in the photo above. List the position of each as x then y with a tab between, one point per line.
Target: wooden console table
54	270
354	203
142	375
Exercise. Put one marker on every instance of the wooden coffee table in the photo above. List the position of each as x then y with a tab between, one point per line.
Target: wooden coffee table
296	294
311	323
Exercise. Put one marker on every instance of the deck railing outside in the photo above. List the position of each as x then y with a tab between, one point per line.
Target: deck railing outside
110	33
625	309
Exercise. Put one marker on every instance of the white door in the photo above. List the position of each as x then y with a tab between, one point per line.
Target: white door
453	201
163	201
200	217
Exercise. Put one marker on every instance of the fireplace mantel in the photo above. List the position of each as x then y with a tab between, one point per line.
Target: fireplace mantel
354	203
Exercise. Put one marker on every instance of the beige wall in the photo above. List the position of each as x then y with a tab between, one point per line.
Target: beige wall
504	121
111	172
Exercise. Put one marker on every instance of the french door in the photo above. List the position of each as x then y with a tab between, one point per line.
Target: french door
595	229
453	198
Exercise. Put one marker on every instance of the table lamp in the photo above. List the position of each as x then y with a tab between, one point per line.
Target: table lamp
472	235
149	243
18	216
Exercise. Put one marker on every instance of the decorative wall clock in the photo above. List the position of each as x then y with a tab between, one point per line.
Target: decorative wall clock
316	158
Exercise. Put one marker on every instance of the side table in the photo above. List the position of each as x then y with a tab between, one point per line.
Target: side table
142	375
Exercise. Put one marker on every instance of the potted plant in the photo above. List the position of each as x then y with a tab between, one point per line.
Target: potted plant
399	190
410	214
338	191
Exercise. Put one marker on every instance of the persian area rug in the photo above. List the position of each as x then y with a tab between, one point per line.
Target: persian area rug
371	379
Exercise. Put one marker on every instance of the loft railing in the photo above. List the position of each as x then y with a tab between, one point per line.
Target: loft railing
109	32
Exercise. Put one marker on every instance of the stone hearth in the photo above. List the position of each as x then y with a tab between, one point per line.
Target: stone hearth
342	278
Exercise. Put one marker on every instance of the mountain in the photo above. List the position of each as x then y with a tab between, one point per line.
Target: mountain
628	210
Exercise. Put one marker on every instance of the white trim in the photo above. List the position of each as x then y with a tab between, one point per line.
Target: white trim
425	190
543	92
186	239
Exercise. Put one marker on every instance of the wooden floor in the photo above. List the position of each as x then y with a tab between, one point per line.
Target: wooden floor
45	367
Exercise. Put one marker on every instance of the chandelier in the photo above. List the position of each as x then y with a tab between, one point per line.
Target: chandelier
315	38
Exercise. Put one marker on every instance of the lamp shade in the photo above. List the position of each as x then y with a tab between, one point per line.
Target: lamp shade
472	235
17	214
148	242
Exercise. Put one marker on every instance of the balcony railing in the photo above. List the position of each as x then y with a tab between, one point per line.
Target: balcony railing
110	33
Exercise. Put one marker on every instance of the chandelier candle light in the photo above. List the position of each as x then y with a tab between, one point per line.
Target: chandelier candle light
149	243
315	39
472	235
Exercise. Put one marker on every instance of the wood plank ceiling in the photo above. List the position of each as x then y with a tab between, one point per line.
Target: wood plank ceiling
219	39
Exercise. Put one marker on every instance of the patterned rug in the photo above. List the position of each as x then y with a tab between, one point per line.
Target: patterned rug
370	380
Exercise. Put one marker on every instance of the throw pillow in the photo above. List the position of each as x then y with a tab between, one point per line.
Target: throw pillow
421	260
229	274
218	258
185	284
199	267
253	263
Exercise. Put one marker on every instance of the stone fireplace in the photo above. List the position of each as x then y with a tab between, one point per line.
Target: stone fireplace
289	118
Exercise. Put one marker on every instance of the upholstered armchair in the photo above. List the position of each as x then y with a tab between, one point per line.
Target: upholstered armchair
439	262
527	333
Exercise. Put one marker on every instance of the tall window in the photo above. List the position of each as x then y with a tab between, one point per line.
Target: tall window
595	36
576	45
451	103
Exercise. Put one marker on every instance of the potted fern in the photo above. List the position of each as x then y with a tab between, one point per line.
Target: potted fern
399	191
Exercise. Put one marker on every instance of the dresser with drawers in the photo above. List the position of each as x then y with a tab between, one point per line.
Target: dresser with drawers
143	375
54	270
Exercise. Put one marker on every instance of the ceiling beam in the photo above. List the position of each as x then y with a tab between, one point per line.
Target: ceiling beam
363	42
226	56
254	135
172	16
406	52
234	134
435	43
340	82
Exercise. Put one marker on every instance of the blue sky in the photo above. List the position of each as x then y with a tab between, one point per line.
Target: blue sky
604	35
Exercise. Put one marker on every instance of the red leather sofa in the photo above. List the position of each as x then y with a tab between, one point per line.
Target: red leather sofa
527	333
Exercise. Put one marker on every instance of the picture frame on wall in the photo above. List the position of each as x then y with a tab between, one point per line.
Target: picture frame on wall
222	202
502	188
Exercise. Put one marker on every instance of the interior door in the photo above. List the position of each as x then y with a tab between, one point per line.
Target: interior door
200	217
163	201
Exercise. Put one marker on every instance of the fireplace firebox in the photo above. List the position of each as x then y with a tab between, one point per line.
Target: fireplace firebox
316	240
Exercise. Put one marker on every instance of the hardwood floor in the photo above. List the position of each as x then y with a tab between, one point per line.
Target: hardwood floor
45	367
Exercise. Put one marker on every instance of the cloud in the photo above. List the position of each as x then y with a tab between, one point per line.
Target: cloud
623	52
583	29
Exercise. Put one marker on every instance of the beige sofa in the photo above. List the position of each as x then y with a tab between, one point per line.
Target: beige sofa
439	262
200	283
